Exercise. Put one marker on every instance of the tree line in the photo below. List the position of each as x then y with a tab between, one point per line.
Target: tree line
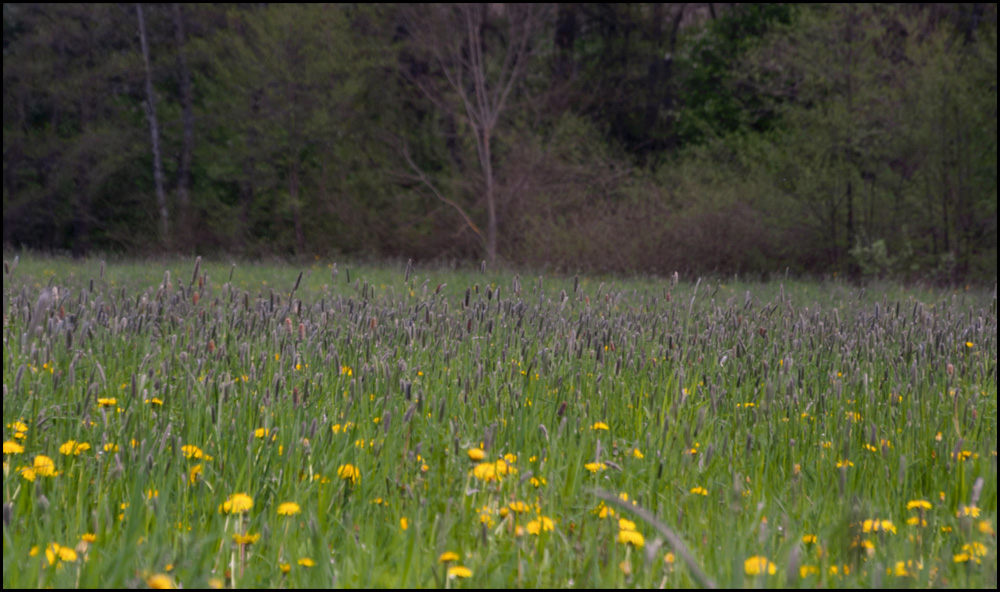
696	137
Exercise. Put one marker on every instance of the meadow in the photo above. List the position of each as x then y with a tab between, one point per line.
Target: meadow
181	424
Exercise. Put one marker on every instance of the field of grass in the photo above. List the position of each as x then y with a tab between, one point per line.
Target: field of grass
247	426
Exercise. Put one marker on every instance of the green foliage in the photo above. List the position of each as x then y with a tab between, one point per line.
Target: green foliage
637	137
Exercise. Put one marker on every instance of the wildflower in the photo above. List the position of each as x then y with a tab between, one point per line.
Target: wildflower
844	464
110	448
89	538
699	491
808	570
969	344
975	549
285	569
44	467
306	562
965	512
917	521
346	371
541	525
216	584
624	524
875	526
195	473
246	539
28	475
192	452
289	509
631	537
836	571
637	454
536	483
404	524
986	528
809	539
669	559
919	505
238	503
448	557
476	454
18	426
349	473
600	426
899	570
459	572
72	448
107	402
595	467
260	433
510	459
12	448
154	402
160	582
756	566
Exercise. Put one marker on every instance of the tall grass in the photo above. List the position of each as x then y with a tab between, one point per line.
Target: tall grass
782	427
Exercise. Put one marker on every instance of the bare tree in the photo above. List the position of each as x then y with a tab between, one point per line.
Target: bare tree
478	53
154	131
187	119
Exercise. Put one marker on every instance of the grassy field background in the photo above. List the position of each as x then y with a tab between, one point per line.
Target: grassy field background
245	426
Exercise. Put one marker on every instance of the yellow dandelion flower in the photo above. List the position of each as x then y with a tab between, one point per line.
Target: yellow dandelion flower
539	526
260	433
916	521
349	473
599	426
44	467
216	584
10	448
699	491
986	528
246	539
631	537
624	524
809	539
919	505
238	503
160	582
107	402
965	512
670	559
595	467
192	452
285	569
459	572
28	475
306	562
89	538
975	549
756	566
807	571
844	464
448	557
519	507
289	509
476	454
404	524
962	558
110	448
637	454
195	473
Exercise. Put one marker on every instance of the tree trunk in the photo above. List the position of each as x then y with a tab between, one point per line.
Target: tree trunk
184	230
154	132
491	205
293	190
